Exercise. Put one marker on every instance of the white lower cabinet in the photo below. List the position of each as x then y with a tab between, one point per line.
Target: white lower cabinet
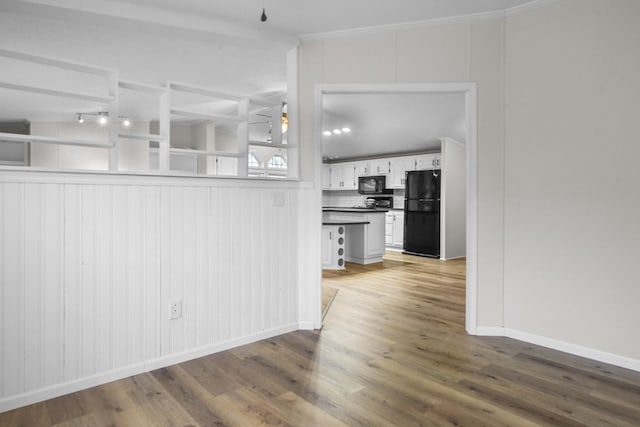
398	229
374	239
394	229
333	246
364	241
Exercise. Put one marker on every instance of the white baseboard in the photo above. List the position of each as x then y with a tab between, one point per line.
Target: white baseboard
38	395
306	325
577	350
490	331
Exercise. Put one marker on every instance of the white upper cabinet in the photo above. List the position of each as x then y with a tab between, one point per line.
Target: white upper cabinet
379	167
399	166
428	161
326	177
362	168
343	176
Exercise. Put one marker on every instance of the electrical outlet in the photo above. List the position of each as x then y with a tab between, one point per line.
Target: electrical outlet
176	310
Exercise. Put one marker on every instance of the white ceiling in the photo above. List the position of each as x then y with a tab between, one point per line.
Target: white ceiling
388	123
286	17
217	44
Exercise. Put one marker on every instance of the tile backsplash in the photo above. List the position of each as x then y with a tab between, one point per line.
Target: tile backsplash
353	198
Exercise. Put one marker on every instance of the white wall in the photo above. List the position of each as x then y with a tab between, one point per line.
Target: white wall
558	200
453	200
572	198
132	154
467	50
90	263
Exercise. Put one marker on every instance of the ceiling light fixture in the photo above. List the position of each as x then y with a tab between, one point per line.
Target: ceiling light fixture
327	133
103	119
337	131
346	130
80	119
126	122
263	17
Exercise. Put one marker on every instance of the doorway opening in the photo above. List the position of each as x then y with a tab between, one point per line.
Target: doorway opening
386	95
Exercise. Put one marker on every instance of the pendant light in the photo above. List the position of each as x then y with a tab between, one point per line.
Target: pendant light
263	17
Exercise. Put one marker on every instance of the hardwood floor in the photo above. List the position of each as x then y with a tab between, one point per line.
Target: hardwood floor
393	352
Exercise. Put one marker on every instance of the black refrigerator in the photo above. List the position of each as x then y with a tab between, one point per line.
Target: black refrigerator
422	213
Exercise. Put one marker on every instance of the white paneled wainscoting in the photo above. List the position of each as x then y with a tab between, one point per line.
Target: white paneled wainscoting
90	265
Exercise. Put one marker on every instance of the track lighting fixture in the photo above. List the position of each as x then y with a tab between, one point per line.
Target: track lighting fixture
102	118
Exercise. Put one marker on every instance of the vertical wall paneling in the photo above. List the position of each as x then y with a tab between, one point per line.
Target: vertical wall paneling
152	305
32	259
191	258
119	210
104	240
225	229
244	259
89	302
52	283
72	318
89	269
203	276
12	325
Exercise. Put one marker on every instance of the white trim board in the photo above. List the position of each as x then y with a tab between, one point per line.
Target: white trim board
469	89
361	31
566	347
45	393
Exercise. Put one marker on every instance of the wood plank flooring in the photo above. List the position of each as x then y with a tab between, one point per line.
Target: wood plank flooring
393	352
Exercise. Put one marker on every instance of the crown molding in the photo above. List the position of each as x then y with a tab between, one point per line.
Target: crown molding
421	24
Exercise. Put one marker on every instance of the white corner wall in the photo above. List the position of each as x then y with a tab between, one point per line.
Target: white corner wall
558	95
89	264
454	199
465	50
572	201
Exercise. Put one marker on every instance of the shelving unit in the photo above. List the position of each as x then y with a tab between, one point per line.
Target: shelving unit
233	112
109	100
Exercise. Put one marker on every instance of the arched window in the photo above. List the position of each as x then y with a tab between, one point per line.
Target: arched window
253	161
277	161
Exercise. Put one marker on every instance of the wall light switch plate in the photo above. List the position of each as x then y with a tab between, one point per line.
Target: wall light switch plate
175	310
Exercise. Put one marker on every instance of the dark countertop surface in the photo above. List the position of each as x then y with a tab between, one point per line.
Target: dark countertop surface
358	210
344	222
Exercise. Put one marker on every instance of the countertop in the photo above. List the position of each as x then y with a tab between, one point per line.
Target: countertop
358	210
344	222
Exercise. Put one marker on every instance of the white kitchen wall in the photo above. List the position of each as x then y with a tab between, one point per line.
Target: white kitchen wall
453	200
89	265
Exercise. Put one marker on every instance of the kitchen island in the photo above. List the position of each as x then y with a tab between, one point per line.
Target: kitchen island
363	232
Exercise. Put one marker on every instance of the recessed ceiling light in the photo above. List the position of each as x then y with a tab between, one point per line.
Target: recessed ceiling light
337	131
346	130
126	122
327	133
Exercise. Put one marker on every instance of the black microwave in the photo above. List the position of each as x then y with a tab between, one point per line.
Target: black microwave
372	185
